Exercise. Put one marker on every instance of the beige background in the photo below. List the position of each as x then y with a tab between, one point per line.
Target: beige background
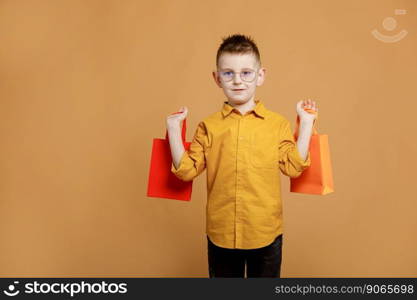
86	85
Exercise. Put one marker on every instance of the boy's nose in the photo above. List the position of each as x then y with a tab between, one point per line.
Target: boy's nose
236	77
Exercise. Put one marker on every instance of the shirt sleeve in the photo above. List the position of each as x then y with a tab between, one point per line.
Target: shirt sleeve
193	161
290	160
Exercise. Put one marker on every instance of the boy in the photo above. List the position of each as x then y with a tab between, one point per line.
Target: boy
243	147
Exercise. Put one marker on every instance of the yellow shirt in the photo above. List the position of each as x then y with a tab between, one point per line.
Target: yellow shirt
243	155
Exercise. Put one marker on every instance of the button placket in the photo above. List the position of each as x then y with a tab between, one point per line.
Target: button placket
239	167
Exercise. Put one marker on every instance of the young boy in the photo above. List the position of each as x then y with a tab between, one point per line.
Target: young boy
243	147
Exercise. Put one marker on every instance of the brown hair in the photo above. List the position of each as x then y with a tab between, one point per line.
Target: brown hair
238	43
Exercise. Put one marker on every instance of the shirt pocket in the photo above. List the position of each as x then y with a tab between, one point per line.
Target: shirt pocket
264	150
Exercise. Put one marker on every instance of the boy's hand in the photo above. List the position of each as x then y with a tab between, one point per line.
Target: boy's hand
174	120
307	110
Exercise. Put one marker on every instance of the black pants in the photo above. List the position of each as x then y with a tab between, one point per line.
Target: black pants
260	262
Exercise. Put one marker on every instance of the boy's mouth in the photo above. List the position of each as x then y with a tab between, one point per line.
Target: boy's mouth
238	90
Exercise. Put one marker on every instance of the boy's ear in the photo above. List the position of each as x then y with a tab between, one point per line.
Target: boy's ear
261	77
216	79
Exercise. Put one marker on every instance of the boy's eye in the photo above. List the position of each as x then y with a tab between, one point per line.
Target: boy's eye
227	73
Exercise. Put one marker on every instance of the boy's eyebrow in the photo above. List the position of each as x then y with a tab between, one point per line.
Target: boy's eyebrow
233	70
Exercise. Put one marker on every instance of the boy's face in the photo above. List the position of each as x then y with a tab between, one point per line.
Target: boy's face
239	88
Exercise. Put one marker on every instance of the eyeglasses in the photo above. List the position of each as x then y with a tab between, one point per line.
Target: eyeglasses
247	75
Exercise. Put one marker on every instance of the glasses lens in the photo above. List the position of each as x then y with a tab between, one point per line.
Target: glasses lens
248	75
226	75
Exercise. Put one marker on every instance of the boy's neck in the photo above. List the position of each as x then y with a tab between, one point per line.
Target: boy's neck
244	107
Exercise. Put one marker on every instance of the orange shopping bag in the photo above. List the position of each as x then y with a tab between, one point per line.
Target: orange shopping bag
318	177
162	183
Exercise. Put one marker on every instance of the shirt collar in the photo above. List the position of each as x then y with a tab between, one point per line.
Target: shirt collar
259	109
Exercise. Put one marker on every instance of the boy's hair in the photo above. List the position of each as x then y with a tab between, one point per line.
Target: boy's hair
240	44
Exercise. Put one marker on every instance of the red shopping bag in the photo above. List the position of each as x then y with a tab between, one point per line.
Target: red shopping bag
318	177
162	183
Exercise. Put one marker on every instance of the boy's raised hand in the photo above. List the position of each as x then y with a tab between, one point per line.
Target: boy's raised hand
307	110
174	120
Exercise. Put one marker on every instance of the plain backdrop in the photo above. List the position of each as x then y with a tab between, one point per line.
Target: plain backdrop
85	86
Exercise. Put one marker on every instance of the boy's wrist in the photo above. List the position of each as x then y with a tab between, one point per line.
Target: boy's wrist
306	122
174	126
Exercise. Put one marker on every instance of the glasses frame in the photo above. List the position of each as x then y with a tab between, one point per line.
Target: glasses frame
240	74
